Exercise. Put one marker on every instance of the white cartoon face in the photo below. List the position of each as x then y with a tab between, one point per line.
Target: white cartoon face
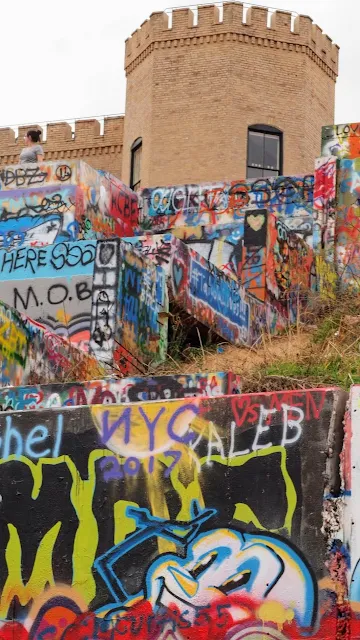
225	562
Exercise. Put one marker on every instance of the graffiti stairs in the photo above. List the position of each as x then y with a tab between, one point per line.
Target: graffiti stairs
183	507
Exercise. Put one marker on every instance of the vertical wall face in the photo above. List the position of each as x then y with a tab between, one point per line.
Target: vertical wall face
199	87
30	354
165	493
193	205
101	151
71	394
52	285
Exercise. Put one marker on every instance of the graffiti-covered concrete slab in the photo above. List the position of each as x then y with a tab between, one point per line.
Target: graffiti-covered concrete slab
194	515
112	391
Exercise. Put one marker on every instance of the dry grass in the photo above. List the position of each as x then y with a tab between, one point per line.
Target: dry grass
324	349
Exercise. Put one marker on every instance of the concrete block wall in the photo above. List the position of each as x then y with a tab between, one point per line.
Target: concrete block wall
63	201
30	354
227	502
114	391
164	208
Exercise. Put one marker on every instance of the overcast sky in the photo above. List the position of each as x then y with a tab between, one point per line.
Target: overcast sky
65	60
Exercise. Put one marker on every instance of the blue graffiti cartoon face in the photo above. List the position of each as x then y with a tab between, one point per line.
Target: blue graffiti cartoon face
29	230
213	565
225	562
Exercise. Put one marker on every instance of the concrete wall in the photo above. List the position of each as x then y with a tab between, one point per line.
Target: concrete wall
58	202
30	354
194	205
218	500
112	391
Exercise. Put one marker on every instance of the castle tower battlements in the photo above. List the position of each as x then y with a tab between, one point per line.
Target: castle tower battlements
198	80
257	26
101	150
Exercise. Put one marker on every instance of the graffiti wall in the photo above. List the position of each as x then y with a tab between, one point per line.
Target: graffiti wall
221	203
143	306
112	391
59	202
290	270
30	354
52	285
206	293
347	228
158	528
341	140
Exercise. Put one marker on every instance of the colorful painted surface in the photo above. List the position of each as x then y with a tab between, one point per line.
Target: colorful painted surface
209	295
347	229
225	202
114	391
290	270
158	529
143	307
58	202
341	140
30	354
325	206
52	285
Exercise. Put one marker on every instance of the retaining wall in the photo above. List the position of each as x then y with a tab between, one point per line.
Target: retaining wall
198	515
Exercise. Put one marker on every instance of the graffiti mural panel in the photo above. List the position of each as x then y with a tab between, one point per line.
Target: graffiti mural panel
225	202
52	285
30	354
341	140
206	293
142	300
112	391
347	228
158	527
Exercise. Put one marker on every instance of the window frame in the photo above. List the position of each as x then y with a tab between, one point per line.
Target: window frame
136	145
264	129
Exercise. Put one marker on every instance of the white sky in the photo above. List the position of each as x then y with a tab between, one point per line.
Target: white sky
64	60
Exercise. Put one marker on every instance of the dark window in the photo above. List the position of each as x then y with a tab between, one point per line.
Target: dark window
135	172
264	156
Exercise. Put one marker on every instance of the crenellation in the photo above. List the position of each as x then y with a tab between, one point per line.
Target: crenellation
7	137
22	131
182	20
58	131
281	23
256	17
305	37
86	128
233	15
208	16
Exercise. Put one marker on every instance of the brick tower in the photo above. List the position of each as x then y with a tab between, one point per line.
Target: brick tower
193	90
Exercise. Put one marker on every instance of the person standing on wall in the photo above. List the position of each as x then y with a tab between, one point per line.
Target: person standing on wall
33	151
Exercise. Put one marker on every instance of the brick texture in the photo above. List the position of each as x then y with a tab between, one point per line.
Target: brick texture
100	151
193	91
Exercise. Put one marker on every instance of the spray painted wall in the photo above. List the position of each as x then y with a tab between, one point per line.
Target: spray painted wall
53	285
56	202
129	308
341	140
164	208
112	391
163	494
30	354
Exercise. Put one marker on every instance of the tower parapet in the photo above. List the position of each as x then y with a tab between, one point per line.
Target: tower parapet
257	26
101	150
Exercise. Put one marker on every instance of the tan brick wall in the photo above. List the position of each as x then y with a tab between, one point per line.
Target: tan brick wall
194	90
100	151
